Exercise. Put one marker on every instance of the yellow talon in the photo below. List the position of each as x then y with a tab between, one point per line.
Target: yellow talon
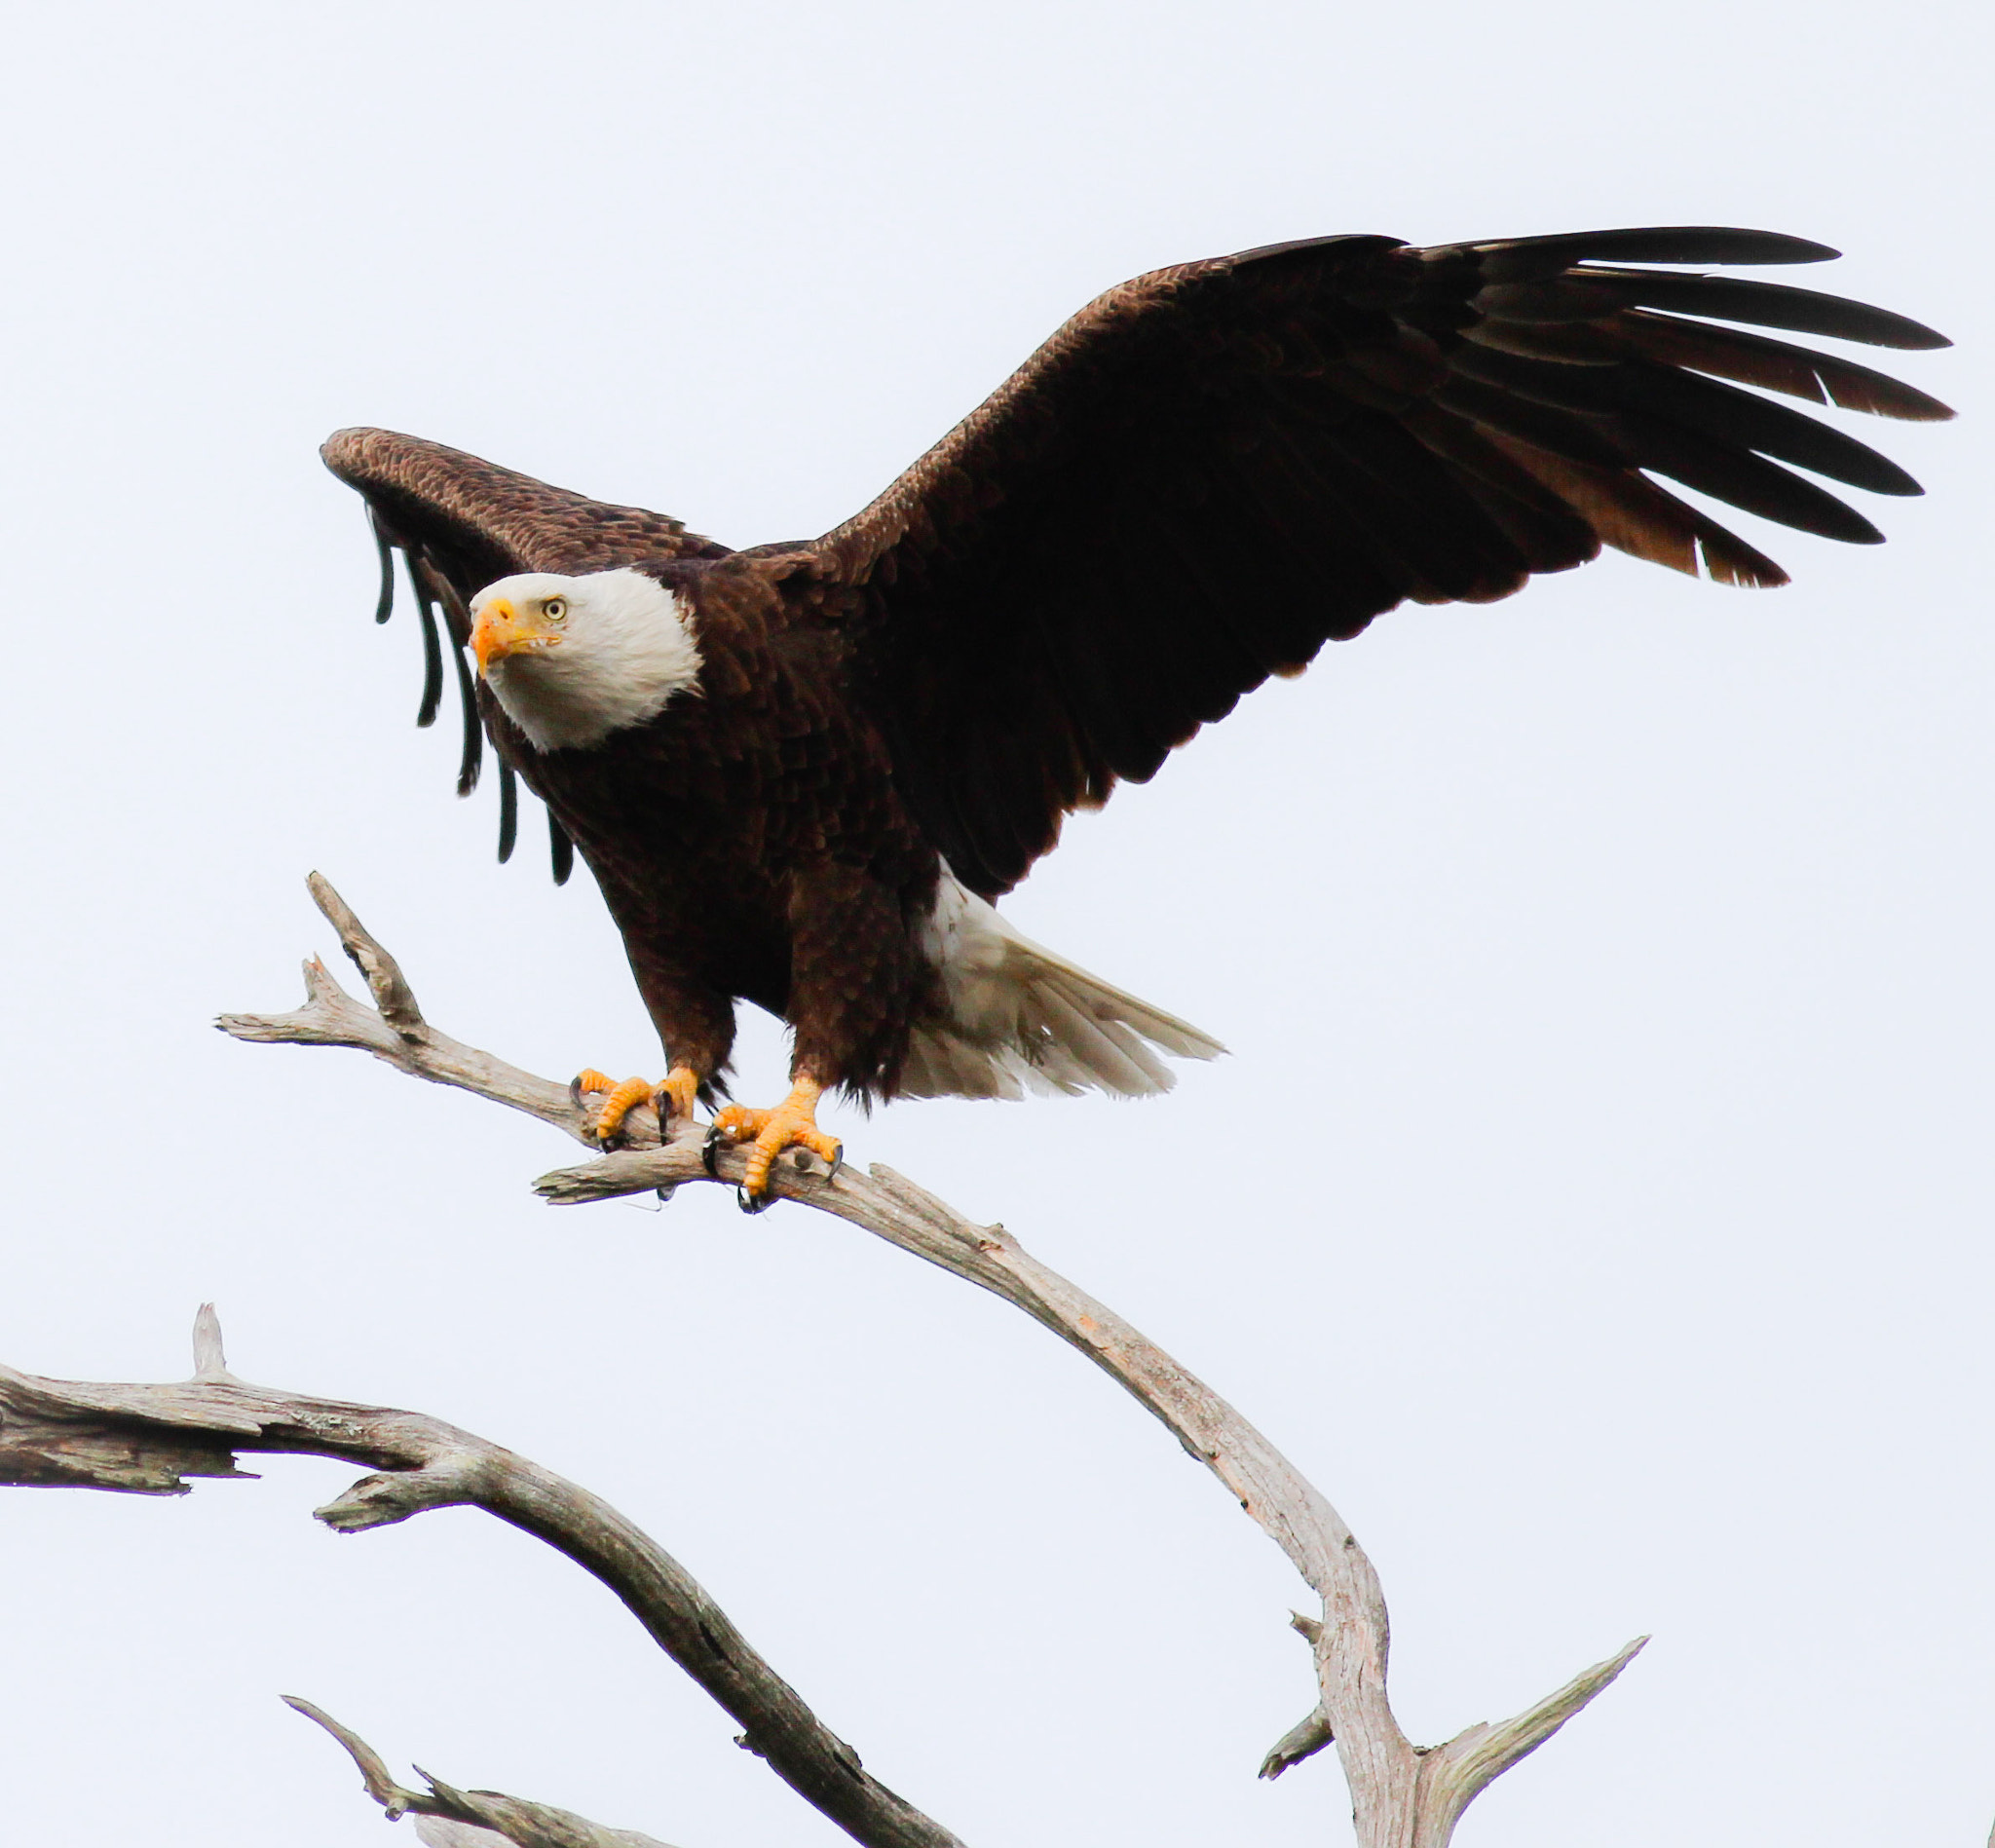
793	1123
671	1097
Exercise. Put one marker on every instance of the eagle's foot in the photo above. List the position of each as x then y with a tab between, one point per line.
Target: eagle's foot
793	1123
672	1096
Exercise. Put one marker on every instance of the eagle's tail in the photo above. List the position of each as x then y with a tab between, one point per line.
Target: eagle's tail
1018	1018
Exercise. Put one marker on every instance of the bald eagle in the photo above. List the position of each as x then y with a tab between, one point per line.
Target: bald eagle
802	774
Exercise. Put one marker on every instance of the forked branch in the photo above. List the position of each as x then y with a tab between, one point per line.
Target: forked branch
465	1816
1402	1796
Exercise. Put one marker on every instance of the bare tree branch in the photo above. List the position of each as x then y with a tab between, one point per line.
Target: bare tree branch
391	993
470	1818
1454	1773
395	1030
1402	1797
1303	1739
148	1439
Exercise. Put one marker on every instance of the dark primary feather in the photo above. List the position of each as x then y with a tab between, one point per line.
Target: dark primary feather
1753	360
472	757
425	597
430	587
432	662
1737	419
384	605
455	607
1508	259
508	811
1766	305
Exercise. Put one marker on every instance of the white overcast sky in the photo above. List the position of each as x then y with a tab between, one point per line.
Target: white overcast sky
1628	944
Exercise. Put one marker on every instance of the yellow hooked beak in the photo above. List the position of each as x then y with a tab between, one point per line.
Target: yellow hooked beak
500	630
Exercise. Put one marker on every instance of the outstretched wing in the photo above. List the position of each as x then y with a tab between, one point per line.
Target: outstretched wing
1213	470
460	524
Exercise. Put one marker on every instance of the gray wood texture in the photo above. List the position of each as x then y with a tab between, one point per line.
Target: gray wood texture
450	1817
149	1438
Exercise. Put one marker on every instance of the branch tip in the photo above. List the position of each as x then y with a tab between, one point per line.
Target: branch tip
1472	1760
390	988
382	1500
1303	1739
373	1768
443	1792
209	1361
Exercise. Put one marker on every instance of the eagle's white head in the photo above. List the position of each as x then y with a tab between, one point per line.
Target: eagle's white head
573	660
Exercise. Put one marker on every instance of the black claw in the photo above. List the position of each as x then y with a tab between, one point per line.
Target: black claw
749	1203
838	1161
709	1153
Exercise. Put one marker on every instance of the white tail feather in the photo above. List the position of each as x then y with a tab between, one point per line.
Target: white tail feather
1017	1018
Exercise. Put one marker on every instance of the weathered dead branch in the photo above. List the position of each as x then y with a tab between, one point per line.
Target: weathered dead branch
149	1438
1402	1797
470	1818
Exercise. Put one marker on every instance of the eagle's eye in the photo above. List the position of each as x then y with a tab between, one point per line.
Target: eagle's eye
555	609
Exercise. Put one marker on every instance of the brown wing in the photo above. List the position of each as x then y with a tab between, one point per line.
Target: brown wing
460	524
1213	470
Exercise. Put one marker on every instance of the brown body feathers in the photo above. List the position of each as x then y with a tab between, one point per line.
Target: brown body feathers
1199	480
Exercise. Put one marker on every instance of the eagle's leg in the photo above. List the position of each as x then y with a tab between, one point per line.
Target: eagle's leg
672	1096
793	1123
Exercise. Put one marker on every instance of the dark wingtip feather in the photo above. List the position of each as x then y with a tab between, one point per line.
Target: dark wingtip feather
432	589
508	811
472	760
1755	359
561	850
1749	481
1857	389
1728	559
384	604
1772	305
1524	259
422	588
432	667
